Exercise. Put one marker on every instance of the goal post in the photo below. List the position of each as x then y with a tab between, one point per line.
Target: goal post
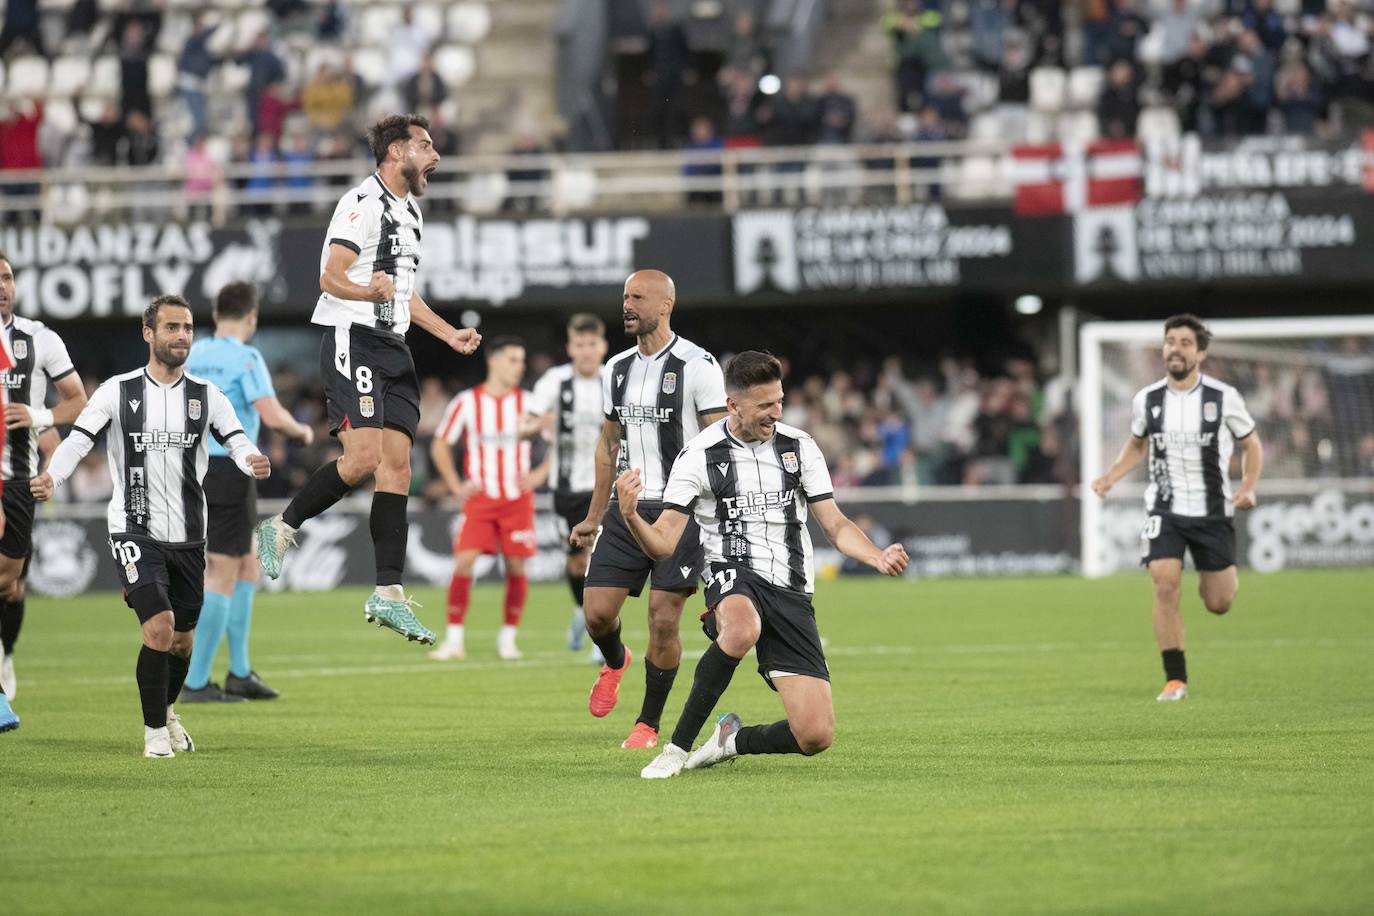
1309	382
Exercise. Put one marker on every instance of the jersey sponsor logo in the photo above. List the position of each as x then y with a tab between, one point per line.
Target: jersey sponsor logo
193	408
404	247
13	380
160	440
757	503
21	349
133	405
366	406
1209	412
1180	439
669	382
641	414
789	462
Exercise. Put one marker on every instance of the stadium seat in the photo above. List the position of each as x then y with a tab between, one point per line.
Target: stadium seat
486	192
28	77
1077	127
2	78
1047	86
430	17
370	65
376	22
469	22
248	24
985	127
1085	85
105	80
1013	122
91	107
229	77
1158	124
1039	127
573	189
978	178
319	55
162	75
66	204
59	114
455	64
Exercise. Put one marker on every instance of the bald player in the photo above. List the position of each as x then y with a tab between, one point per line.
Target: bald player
656	396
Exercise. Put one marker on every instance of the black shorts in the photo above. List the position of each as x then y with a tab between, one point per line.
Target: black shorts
617	561
158	576
789	642
231	497
17	542
1211	540
572	509
369	380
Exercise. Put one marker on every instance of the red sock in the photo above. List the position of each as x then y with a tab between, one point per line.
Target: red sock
517	590
459	595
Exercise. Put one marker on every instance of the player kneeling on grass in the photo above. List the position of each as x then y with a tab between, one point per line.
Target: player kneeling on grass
751	480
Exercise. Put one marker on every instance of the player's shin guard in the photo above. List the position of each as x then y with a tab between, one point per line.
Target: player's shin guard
152	676
658	683
324	488
517	591
11	619
389	533
177	666
713	675
775	738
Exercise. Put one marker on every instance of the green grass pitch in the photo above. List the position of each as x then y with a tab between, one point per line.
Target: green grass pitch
998	750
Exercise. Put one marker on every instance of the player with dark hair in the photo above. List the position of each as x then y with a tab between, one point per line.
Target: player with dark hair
368	301
750	481
567	402
231	570
156	419
39	358
1189	424
496	490
655	396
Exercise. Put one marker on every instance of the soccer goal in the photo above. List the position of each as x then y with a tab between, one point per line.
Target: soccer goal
1308	382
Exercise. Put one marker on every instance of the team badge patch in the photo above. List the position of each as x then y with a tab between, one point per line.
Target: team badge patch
193	408
669	382
21	349
365	405
789	462
567	397
1209	412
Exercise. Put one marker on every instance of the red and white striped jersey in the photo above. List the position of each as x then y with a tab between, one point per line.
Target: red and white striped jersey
494	457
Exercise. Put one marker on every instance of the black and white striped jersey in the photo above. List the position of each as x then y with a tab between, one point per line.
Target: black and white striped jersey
751	499
1192	435
40	357
658	401
575	401
156	445
384	231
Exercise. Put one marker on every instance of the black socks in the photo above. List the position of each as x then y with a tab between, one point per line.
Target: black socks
11	618
776	738
177	666
152	675
713	675
578	584
612	649
324	488
1175	667
388	524
658	683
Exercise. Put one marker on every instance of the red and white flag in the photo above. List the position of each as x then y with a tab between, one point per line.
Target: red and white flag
1065	178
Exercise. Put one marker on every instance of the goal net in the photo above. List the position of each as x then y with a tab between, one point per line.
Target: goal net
1308	382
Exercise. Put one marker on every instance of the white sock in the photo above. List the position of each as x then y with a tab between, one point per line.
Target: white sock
730	745
285	527
507	636
150	733
454	635
391	592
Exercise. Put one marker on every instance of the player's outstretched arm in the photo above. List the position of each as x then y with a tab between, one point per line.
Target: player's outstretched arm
462	340
1131	454
850	540
1251	464
659	540
606	451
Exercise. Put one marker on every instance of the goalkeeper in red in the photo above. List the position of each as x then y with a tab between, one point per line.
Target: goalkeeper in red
1190	425
751	481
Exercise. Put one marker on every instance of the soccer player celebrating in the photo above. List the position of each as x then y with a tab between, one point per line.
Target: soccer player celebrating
368	302
157	419
497	495
655	396
39	359
231	571
567	399
750	481
1189	424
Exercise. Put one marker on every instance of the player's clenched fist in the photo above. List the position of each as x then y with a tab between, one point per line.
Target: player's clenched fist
628	486
583	535
464	340
261	466
41	487
381	289
892	561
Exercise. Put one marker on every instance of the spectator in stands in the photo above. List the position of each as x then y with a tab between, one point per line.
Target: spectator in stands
742	49
1118	107
1267	22
264	68
333	22
1259	94
140	140
989	21
327	101
193	70
916	37
742	100
276	102
425	91
1125	28
1224	114
1349	35
135	48
203	175
703	137
1183	82
1177	26
525	200
262	178
107	133
1095	16
406	45
668	59
946	95
836	111
22	23
296	153
19	150
1013	79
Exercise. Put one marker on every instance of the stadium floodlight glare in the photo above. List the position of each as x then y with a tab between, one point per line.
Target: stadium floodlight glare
1271	362
1029	305
770	84
471	318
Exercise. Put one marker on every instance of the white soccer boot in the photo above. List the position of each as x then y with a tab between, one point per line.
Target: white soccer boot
7	682
505	645
157	742
181	741
668	763
720	747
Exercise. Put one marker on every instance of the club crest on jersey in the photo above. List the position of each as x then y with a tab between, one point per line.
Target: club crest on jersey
130	573
789	462
1154	411
669	382
21	349
365	405
193	408
1209	412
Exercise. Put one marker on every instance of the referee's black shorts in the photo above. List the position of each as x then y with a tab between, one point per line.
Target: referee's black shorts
17	542
231	498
